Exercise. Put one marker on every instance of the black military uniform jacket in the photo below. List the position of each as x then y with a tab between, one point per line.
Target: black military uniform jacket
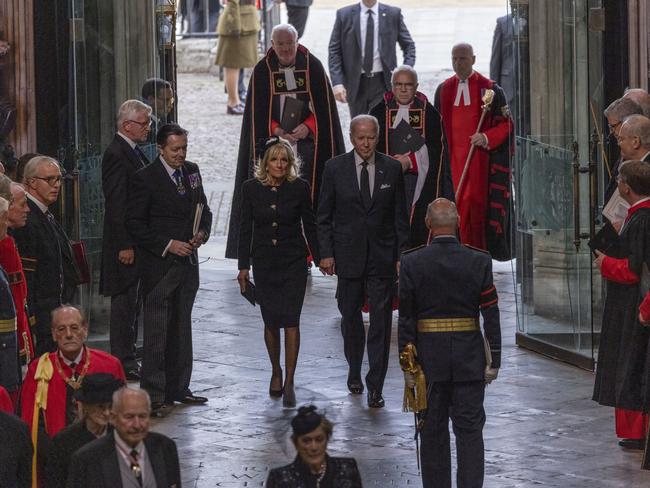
340	473
446	280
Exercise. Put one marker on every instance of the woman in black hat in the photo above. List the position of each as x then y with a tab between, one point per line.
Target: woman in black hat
94	399
276	218
313	468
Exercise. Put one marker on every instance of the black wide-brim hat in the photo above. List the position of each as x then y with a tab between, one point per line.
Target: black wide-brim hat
98	388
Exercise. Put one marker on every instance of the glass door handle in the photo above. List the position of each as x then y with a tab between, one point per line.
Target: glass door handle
576	194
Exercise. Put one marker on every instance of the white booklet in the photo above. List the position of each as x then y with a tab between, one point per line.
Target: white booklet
616	208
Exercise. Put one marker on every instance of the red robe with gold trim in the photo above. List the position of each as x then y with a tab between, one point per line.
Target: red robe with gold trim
6	405
483	204
13	266
100	362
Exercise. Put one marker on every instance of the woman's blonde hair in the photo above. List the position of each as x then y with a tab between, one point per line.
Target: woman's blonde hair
271	149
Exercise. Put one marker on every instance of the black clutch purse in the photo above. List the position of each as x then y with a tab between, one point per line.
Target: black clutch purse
249	292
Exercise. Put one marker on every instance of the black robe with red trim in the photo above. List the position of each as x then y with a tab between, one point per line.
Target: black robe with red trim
623	372
262	112
424	118
498	126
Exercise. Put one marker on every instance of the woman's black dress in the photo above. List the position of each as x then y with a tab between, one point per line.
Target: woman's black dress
340	473
271	233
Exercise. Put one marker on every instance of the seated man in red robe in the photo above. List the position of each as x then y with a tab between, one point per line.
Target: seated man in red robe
483	200
47	397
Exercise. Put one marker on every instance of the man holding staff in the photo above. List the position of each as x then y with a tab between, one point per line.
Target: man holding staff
478	134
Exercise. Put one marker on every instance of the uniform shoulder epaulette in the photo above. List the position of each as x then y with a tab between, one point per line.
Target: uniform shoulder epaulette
408	251
477	249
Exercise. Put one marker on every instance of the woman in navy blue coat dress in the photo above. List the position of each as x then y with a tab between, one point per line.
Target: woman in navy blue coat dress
276	217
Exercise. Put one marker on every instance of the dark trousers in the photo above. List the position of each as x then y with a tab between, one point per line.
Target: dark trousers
350	296
297	17
167	352
371	92
125	309
42	330
463	403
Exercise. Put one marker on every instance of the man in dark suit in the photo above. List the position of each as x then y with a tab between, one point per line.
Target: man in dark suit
119	277
442	288
366	31
502	61
130	456
159	95
362	228
93	401
297	13
15	452
44	248
166	198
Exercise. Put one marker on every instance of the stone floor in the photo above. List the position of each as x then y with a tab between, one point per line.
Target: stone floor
542	428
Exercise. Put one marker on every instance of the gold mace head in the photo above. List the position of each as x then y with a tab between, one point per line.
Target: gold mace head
488	97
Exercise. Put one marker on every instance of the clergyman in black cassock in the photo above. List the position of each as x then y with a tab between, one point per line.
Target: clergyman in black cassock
272	81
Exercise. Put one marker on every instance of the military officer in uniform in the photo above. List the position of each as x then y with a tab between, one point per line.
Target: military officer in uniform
442	288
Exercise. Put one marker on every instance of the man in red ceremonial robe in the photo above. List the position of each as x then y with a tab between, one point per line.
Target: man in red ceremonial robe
47	395
483	202
11	263
623	373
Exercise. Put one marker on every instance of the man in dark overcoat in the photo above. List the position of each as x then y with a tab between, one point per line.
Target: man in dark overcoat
119	277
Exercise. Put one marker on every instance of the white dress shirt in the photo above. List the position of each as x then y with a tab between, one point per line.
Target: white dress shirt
371	171
363	19
125	450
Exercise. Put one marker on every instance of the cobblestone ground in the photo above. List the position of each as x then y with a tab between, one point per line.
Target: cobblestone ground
542	428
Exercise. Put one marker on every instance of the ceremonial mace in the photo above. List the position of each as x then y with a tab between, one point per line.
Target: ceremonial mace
487	99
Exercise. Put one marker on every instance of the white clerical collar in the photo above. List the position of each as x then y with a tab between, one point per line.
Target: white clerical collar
39	204
128	141
463	91
289	77
374	8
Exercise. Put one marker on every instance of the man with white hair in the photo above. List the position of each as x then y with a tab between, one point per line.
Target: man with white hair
48	261
9	368
426	166
119	276
131	455
13	266
288	76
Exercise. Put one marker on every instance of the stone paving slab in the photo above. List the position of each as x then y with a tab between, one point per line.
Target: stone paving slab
542	428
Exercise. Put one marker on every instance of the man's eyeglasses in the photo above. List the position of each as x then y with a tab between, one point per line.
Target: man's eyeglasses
51	180
141	124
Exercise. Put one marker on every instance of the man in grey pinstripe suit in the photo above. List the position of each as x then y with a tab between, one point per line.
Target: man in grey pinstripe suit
165	196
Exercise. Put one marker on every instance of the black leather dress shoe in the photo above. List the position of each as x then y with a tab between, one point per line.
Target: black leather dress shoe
191	399
375	400
634	444
160	409
355	387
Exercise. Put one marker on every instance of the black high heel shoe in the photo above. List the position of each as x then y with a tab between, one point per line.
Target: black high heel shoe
275	393
289	397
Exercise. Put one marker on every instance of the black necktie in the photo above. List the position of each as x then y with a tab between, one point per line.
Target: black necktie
135	467
364	185
141	156
369	51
